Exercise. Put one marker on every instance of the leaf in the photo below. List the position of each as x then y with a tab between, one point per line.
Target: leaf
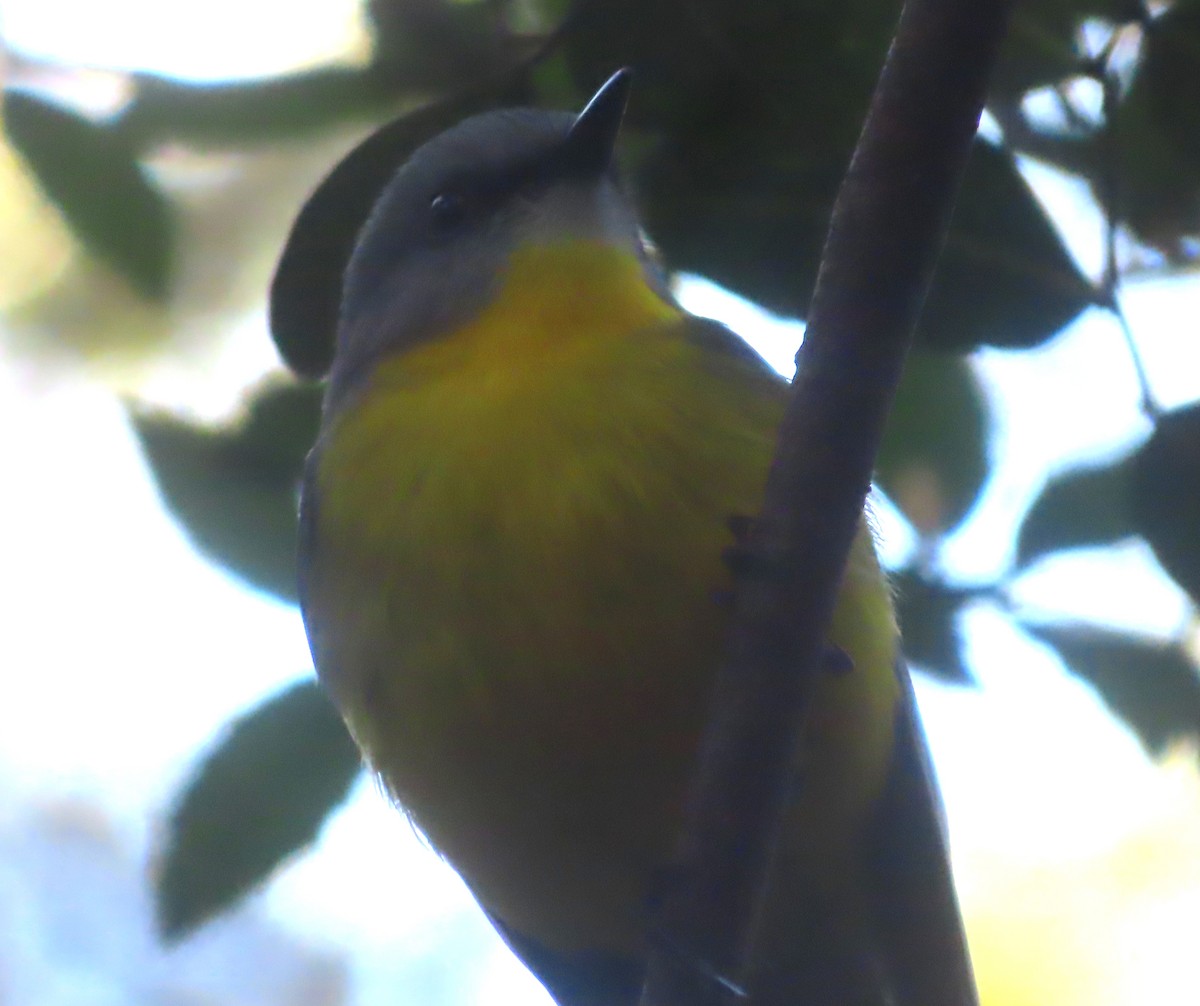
1155	144
933	459
1166	495
1152	686
306	292
226	114
92	175
1076	509
440	44
1004	278
756	226
776	74
235	488
259	796
927	611
1171	72
1041	48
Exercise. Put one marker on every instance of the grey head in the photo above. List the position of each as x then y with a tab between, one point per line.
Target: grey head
434	248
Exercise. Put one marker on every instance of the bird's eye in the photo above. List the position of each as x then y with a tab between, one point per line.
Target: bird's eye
448	209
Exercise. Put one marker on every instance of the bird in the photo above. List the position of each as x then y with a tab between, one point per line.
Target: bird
515	539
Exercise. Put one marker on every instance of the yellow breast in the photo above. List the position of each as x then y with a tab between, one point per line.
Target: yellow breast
513	590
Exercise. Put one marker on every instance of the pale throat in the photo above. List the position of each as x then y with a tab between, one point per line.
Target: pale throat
596	211
579	266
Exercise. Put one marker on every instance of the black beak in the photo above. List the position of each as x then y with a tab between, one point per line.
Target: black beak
588	148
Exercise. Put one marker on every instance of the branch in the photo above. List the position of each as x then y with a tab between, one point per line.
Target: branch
887	229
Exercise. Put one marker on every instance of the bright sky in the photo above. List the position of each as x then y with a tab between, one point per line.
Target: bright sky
126	651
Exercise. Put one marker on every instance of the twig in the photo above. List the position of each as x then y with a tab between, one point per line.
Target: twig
1111	198
888	226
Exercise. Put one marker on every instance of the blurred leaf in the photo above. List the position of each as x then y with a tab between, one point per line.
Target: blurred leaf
752	225
1004	278
778	75
245	113
1078	508
234	488
1152	686
1148	161
440	44
1166	495
281	426
1156	143
1171	72
306	292
757	225
36	245
423	49
934	459
1040	47
260	796
928	611
92	175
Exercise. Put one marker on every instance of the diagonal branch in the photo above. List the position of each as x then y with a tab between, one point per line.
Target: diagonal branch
887	229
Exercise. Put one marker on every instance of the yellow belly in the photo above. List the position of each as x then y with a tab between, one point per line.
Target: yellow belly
514	587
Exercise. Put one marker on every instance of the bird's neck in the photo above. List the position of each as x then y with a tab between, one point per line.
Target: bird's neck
553	298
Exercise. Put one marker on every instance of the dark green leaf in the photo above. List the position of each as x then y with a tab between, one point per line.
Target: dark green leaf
934	459
756	225
751	224
251	112
928	613
234	488
440	44
260	796
280	426
1166	495
92	175
1153	687
1076	509
776	75
1171	73
1005	277
1038	50
1155	153
1041	45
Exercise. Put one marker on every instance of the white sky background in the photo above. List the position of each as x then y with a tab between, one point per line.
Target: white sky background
123	651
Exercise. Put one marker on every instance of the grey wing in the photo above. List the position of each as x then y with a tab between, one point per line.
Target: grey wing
308	561
306	538
919	927
598	979
712	335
